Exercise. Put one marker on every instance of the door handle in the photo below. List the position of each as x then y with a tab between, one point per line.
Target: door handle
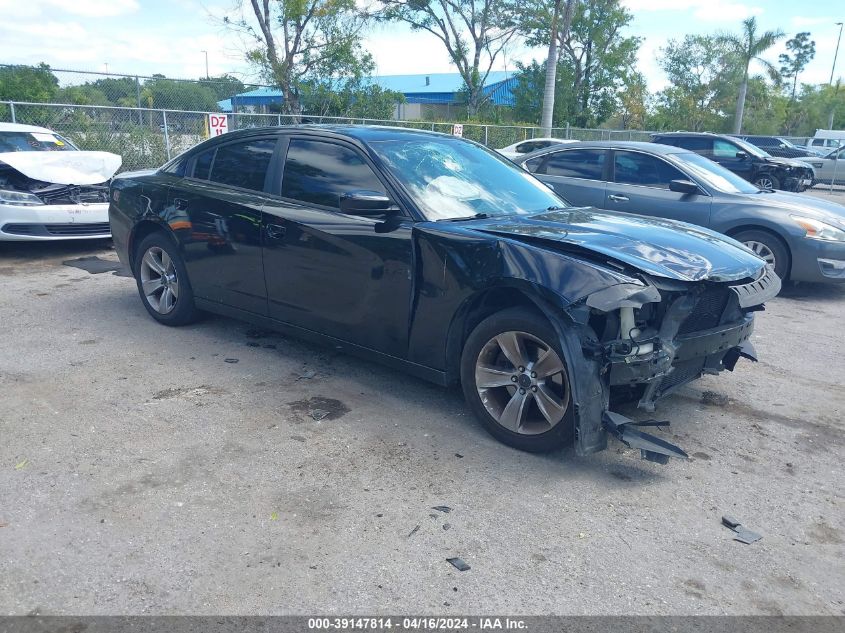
275	231
617	198
180	203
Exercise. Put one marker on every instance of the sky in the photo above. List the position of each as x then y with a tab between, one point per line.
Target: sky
169	36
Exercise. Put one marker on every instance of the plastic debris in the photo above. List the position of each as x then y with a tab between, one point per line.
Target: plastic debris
230	360
446	509
307	375
21	464
743	534
458	563
318	414
414	531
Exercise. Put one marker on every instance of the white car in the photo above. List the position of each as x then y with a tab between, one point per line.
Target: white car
829	168
49	189
531	145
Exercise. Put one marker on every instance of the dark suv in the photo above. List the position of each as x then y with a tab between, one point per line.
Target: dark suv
744	159
777	146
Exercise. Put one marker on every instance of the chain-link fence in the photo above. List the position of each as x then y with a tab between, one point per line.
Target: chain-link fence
80	87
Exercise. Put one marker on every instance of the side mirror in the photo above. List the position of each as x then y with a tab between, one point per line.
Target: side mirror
366	203
683	186
742	155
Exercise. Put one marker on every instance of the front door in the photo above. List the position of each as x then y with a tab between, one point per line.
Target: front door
345	276
640	184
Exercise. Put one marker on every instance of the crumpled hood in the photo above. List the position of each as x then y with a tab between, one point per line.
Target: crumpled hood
64	168
664	248
788	162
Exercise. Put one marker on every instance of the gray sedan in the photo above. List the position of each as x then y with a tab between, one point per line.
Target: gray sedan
803	238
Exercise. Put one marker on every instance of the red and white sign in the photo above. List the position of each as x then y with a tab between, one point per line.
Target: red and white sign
458	130
218	124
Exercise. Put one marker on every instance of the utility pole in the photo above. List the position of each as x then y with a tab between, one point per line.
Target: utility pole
206	64
832	71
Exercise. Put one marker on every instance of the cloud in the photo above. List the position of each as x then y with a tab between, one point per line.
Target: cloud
703	10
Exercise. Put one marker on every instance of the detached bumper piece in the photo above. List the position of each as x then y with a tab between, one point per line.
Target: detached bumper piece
651	448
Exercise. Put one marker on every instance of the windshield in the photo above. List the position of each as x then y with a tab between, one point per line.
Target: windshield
34	142
751	149
713	174
449	178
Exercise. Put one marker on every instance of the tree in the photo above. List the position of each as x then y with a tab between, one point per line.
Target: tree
632	100
474	33
701	73
546	117
298	40
803	51
748	47
354	98
595	55
28	83
223	86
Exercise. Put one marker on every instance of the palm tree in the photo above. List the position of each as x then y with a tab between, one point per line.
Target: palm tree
551	61
748	48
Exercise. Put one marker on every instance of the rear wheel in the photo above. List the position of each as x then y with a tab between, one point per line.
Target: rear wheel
163	282
768	248
516	382
767	181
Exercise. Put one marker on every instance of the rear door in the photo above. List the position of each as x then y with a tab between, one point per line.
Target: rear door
640	184
576	174
216	213
346	276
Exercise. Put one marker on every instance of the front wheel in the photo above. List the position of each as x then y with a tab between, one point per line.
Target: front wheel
768	248
163	282
767	181
516	382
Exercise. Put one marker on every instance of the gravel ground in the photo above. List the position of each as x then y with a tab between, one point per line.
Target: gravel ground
142	473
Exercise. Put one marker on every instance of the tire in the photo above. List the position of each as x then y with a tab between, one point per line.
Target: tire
170	302
532	414
768	247
767	181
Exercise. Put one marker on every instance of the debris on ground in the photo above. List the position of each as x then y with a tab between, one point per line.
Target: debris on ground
714	399
414	531
253	344
743	534
95	265
458	563
21	464
445	509
274	516
319	414
307	375
459	456
230	360
446	526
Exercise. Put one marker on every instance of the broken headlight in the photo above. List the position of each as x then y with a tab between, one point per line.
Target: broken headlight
818	230
19	197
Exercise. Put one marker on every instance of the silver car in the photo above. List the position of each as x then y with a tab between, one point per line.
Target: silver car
802	238
829	168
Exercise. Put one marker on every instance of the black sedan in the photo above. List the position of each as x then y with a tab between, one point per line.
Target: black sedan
439	257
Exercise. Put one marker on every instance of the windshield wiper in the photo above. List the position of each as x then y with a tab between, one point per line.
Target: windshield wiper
477	216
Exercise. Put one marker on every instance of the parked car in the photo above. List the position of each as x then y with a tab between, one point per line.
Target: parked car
531	145
49	189
438	256
778	146
802	237
830	167
827	140
744	159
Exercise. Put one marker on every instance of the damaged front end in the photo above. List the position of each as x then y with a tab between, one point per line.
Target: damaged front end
642	342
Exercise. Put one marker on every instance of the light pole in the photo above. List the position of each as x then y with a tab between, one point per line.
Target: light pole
832	71
206	61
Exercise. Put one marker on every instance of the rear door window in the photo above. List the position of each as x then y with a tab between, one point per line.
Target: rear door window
320	172
243	164
202	164
575	163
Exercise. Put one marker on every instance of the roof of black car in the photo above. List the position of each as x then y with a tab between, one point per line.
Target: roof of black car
361	132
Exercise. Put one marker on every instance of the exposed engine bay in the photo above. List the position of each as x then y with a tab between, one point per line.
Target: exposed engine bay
49	192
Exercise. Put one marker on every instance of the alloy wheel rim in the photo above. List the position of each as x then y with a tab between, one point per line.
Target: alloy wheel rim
159	281
765	183
762	251
522	383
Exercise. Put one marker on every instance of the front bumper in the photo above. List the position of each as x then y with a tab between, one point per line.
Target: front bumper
54	222
817	261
